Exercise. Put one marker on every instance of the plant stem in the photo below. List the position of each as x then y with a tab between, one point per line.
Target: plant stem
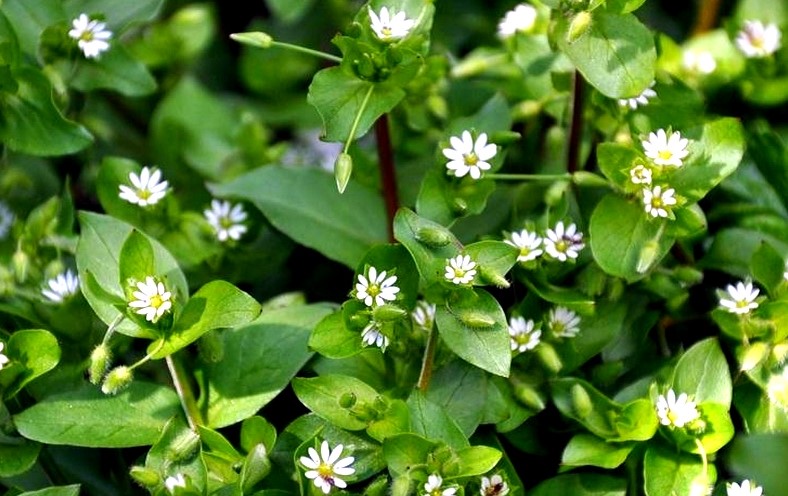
427	360
706	16
529	177
388	177
576	125
185	393
354	127
308	51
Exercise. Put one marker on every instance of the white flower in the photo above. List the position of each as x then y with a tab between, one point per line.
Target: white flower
371	336
777	389
152	299
389	26
325	468
640	174
528	243
466	156
494	486
641	99
522	18
6	220
226	219
174	481
741	298
522	334
746	488
148	188
563	323
562	244
699	61
3	359
756	40
657	202
61	287
91	36
424	314
375	289
433	487
676	412
785	274
460	269
666	149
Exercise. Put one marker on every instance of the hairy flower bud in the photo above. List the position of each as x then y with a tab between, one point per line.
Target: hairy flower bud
183	446
343	169
753	355
492	277
388	313
581	401
579	26
117	379
549	357
347	400
529	396
254	38
477	320
433	237
21	264
100	359
146	477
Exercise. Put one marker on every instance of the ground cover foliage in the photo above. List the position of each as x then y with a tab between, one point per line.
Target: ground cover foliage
395	247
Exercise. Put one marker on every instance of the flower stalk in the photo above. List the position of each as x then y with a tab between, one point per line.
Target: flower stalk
185	393
427	361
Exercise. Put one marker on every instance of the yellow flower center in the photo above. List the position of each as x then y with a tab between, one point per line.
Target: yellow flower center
656	202
326	472
756	41
225	222
524	252
471	159
672	416
741	303
86	36
373	290
156	301
561	246
144	194
665	154
386	30
459	273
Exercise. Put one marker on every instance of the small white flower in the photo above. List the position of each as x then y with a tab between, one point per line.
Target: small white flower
561	243
174	481
746	488
520	19
92	36
226	219
494	486
148	188
641	99
756	40
460	269
152	299
777	389
658	202
389	26
6	220
528	243
640	174
3	359
563	323
522	334
371	336
424	314
676	412
61	287
666	149
698	61
741	298
433	487
375	289
325	468
469	157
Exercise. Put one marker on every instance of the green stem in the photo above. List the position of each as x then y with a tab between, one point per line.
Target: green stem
182	387
427	361
357	119
530	177
703	457
308	51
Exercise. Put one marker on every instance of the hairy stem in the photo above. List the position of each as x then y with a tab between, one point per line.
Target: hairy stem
427	360
354	127
576	124
388	177
308	51
529	177
185	393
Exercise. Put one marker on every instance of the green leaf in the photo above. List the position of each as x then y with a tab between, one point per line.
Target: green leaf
259	361
477	460
32	124
324	395
587	449
487	346
767	267
98	260
304	204
596	332
637	421
667	472
177	451
581	401
72	490
136	259
404	451
749	457
395	420
582	485
616	54
461	390
429	243
87	417
216	305
331	338
568	297
115	70
289	11
119	13
615	161
703	372
29	19
494	260
625	241
257	430
432	421
36	351
17	455
338	98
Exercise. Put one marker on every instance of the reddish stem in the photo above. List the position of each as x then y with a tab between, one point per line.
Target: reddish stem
576	125
388	178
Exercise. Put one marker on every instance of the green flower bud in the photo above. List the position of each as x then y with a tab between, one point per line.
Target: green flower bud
438	106
347	400
526	110
477	320
388	312
459	205
753	355
255	38
433	237
585	178
21	264
100	359
502	138
688	275
549	357
256	467
146	477
780	352
529	396
117	379
343	168
183	447
380	486
492	277
581	401
579	26
648	255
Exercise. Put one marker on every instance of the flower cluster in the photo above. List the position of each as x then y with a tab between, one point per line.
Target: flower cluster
664	149
520	19
226	220
560	243
674	411
174	481
469	157
424	314
92	36
325	468
371	336
61	287
147	188
698	62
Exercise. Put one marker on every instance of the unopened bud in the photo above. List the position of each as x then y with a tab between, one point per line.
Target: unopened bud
183	446
256	467
585	178
434	237
581	402
529	396
438	106
347	400
343	168
549	357
255	38
21	264
492	277
100	359
526	110
579	26
388	313
688	275
753	355
780	352
146	477
477	320
459	205
501	138
648	255
117	379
